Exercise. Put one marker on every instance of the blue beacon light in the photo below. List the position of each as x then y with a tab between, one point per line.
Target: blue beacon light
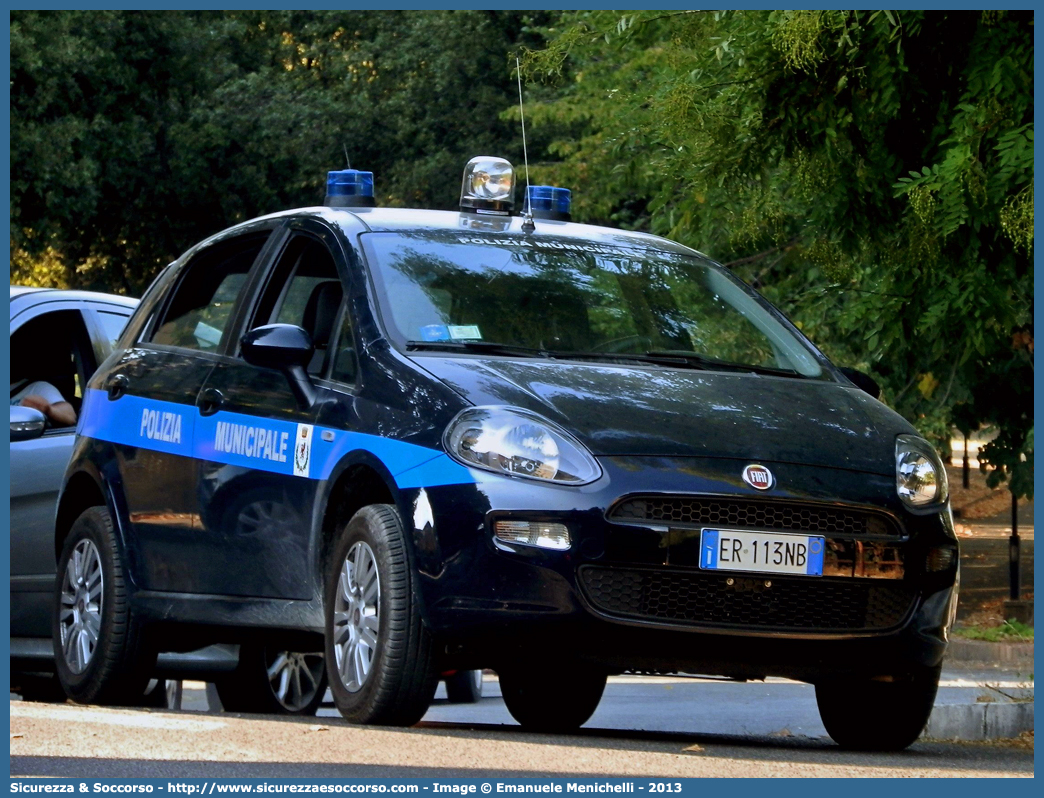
349	188
548	202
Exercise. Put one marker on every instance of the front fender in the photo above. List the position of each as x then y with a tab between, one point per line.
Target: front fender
92	478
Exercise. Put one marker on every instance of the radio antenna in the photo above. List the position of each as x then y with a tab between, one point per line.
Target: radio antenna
347	160
528	226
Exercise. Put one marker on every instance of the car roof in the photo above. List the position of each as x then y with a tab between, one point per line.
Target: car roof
30	295
20	290
404	219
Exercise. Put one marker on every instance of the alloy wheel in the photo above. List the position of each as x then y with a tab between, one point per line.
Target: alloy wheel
356	617
295	678
79	618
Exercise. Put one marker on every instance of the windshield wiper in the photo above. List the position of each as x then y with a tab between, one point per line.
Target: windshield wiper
666	357
488	347
711	363
629	357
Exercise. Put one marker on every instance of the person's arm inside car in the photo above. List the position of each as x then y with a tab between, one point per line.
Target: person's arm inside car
48	400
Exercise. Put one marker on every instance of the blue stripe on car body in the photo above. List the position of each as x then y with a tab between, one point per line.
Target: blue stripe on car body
255	442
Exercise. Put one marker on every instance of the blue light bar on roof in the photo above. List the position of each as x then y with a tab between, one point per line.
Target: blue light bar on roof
548	202
349	188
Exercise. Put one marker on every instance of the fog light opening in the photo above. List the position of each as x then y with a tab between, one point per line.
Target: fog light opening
939	559
533	533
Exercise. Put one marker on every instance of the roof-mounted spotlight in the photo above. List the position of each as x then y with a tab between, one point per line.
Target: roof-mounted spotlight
349	188
488	187
548	202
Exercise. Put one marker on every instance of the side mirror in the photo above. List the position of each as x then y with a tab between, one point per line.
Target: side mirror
26	423
286	348
863	381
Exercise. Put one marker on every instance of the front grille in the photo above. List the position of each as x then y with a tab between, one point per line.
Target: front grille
691	597
718	512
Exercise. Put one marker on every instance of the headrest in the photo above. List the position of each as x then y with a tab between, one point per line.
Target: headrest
321	311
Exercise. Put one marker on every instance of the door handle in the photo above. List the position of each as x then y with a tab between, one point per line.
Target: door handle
117	386
209	401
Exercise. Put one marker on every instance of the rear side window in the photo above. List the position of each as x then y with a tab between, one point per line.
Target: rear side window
203	302
112	325
151	302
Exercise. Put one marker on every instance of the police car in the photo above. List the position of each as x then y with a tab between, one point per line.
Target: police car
432	441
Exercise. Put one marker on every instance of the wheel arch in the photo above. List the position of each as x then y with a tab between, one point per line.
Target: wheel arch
92	480
360	479
82	489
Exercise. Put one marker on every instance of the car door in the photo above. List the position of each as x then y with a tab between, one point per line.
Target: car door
255	437
49	342
146	406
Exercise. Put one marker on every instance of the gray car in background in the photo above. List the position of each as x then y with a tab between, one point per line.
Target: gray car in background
58	337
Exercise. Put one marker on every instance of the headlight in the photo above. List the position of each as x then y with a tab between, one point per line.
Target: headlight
920	478
519	443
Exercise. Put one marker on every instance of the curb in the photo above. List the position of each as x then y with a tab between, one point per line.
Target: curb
980	651
974	722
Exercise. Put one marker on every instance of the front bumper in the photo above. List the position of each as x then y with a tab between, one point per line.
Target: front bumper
629	594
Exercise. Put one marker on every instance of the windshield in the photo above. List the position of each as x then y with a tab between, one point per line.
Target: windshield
559	297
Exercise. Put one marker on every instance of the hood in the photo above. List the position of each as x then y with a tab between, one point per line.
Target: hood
637	410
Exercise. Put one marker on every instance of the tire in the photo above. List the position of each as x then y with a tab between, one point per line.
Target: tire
464	687
99	651
557	702
274	682
379	653
886	716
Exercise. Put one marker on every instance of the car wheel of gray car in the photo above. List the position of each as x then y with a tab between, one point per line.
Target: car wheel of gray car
890	715
163	694
379	653
274	681
559	701
99	652
464	687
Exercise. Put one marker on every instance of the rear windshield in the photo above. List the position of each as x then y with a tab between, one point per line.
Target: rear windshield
564	296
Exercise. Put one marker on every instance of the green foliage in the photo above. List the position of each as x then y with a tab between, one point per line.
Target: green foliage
1010	631
134	135
1016	218
871	173
801	37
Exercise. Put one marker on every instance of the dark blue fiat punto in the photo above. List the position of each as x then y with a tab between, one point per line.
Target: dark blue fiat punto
434	441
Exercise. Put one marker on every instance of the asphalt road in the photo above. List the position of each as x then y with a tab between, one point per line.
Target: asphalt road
643	727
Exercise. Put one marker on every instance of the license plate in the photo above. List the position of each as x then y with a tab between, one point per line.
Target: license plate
761	552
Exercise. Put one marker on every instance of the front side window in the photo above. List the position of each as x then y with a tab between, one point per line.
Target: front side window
345	366
202	305
304	290
568	297
51	362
